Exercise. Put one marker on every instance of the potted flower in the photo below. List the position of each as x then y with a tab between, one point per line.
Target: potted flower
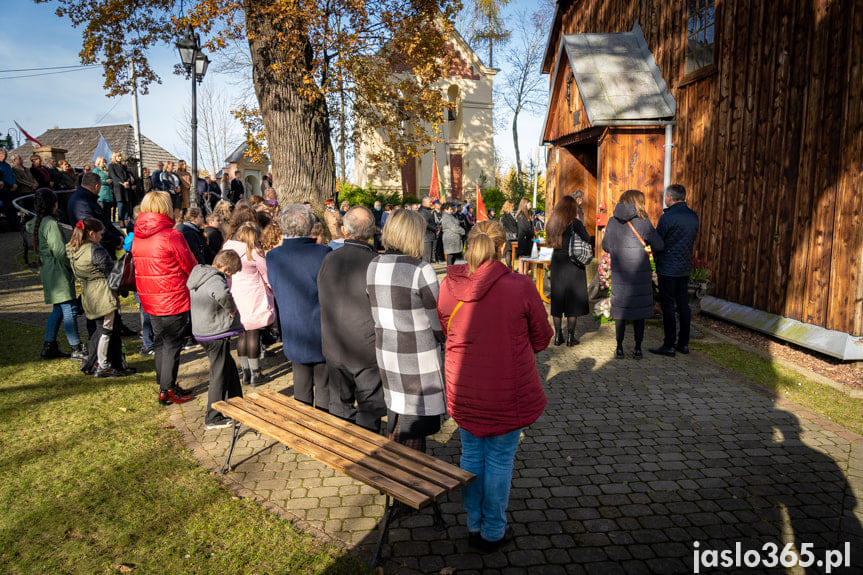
699	286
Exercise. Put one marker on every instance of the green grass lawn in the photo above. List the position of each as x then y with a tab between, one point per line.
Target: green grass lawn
92	476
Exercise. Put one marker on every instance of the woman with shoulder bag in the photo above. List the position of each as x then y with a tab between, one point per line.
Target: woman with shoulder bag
627	235
568	279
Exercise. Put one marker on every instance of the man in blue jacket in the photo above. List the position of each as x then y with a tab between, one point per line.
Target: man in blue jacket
156	177
292	269
678	227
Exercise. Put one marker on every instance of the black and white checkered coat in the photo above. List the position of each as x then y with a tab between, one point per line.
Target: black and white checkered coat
403	292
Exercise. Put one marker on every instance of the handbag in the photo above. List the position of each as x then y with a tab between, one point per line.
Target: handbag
580	252
122	276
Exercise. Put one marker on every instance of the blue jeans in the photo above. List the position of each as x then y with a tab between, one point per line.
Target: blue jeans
69	314
146	326
486	499
123	211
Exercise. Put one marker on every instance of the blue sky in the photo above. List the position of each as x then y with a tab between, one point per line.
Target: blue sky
34	37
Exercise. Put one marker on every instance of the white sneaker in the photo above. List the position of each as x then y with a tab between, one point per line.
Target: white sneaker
220	425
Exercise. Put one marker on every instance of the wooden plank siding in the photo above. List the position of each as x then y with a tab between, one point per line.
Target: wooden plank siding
769	147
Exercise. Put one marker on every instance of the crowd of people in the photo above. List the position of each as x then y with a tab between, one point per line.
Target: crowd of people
356	303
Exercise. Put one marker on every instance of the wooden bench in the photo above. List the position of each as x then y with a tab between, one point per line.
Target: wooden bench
402	474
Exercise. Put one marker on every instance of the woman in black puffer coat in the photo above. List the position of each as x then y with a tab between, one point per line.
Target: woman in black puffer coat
626	236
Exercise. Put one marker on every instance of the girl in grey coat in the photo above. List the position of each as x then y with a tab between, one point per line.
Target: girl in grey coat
627	235
451	232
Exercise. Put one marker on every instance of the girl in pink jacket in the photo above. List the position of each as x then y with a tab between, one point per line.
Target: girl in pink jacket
253	295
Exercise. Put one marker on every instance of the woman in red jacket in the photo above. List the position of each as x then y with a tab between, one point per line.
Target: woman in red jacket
495	322
163	262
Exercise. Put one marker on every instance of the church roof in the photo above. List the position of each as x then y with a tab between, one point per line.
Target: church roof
617	78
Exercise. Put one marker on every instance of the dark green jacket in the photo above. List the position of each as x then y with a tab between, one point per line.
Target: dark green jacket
91	265
55	270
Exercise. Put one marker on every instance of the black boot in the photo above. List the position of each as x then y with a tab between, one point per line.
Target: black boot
52	351
558	337
247	376
571	340
79	352
257	378
637	353
618	353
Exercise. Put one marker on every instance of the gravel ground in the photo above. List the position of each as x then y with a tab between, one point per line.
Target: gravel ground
843	372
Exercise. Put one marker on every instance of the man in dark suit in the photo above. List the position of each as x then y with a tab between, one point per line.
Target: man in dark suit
432	228
347	326
677	226
238	189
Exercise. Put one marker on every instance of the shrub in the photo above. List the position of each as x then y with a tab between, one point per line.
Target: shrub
367	196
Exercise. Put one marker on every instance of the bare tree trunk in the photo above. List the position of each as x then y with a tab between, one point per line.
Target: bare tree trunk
298	130
342	135
517	153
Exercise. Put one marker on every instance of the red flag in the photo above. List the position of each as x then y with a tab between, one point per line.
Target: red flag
481	214
434	188
28	136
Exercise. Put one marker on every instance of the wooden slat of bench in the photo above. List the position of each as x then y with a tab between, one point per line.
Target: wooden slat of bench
241	411
338	437
413	481
464	477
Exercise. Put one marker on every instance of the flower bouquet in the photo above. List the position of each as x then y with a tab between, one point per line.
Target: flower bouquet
602	308
602	311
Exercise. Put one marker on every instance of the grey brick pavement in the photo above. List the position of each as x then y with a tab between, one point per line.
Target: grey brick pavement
631	463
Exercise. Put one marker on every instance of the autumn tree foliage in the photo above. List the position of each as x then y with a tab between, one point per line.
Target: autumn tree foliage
305	55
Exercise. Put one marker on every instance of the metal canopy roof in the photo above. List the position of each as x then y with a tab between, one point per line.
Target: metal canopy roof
617	78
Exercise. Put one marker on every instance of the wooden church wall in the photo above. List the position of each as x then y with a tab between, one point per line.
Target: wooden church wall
769	147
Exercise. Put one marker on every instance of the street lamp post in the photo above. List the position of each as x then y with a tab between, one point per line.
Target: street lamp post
195	62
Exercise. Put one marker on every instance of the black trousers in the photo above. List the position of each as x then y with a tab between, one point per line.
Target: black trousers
168	336
620	330
312	384
224	379
362	387
673	292
451	259
438	248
